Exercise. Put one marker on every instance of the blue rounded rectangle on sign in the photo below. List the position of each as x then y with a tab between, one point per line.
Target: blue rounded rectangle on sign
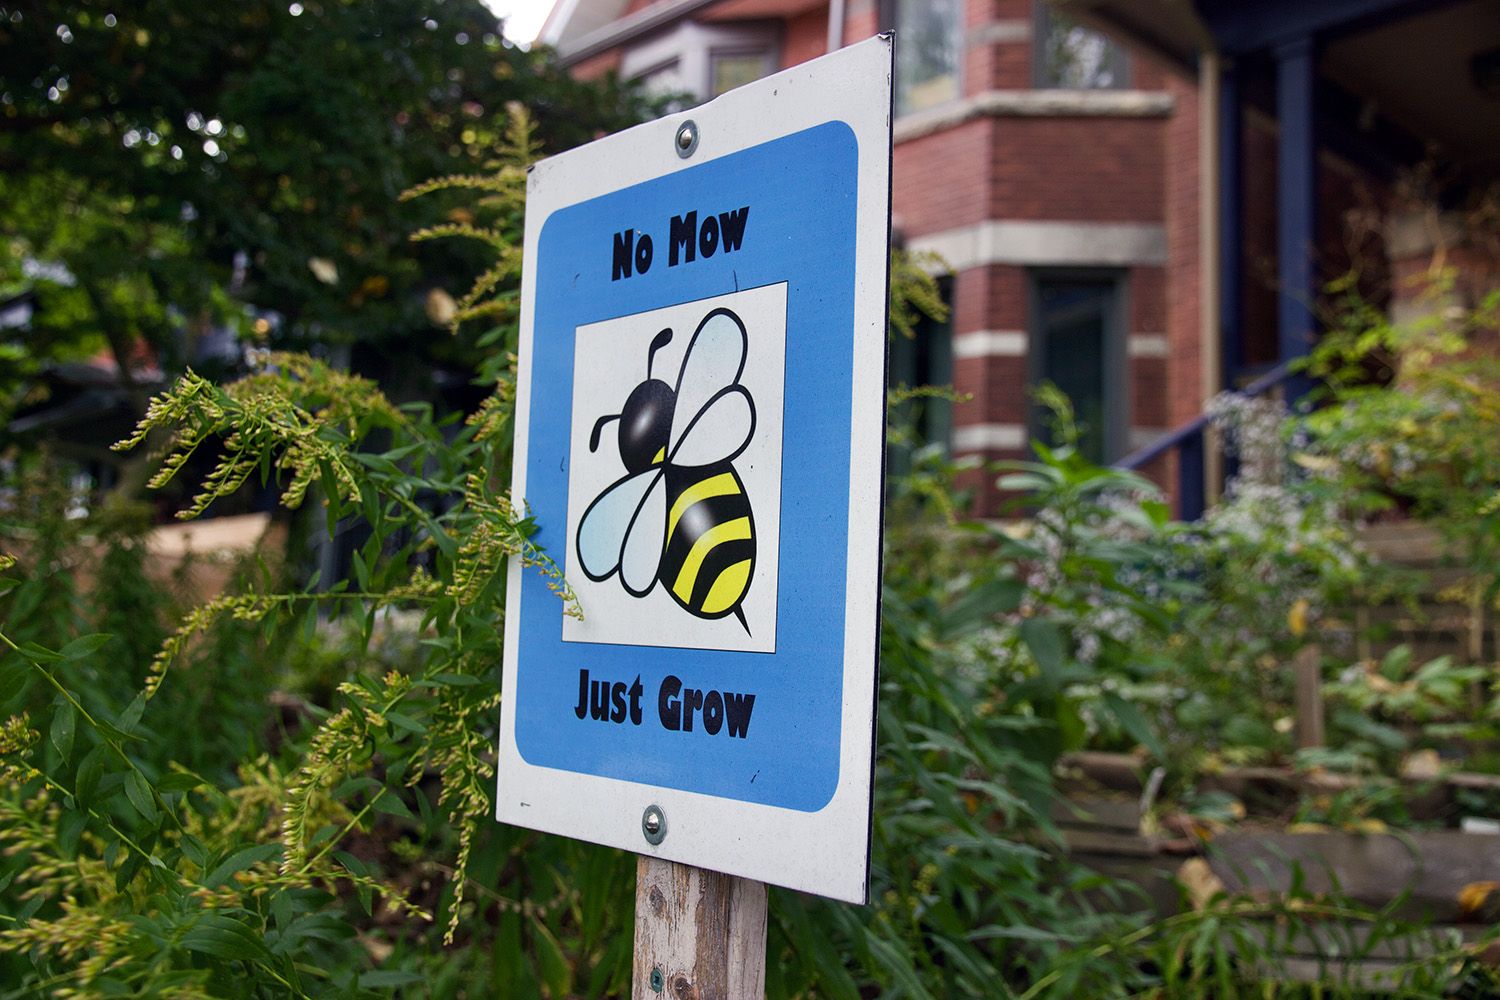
764	700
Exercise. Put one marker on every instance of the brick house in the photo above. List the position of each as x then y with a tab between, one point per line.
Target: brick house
1109	182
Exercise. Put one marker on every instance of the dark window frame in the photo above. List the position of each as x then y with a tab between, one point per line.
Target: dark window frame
1115	434
933	414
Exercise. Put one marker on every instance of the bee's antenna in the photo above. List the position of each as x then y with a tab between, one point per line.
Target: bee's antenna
658	342
599	426
739	613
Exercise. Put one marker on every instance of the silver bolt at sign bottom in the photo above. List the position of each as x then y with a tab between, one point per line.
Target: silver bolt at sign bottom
658	981
654	824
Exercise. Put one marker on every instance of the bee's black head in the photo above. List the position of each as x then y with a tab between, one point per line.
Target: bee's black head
645	423
646	420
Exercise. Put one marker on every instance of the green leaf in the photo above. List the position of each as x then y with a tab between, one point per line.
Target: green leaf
978	606
1133	721
139	794
557	974
240	861
356	866
64	718
193	849
390	977
405	723
70	828
180	781
84	645
392	805
332	503
220	936
355	785
131	717
455	680
39	654
1045	640
90	770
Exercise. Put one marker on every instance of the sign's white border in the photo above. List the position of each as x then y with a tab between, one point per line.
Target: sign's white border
824	852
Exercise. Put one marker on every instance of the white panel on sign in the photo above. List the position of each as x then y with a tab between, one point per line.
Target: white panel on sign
700	434
705	422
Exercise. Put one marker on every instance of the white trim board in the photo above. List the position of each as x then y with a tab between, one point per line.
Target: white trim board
1143	437
989	437
1035	104
1148	345
990	344
1016	343
1050	244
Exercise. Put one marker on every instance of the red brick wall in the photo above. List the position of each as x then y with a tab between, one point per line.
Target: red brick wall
1077	169
941	181
804	37
596	66
861	20
1180	373
1060	169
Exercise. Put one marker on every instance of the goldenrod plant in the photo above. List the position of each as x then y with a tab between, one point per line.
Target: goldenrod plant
286	790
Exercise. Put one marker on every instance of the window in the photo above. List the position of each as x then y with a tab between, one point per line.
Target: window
1077	343
664	81
929	51
696	62
1072	57
925	359
735	69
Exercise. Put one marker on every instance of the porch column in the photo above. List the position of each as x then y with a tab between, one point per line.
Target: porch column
1231	232
1296	204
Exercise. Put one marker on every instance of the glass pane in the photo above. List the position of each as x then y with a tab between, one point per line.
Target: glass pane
1074	319
665	81
927	53
925	359
730	71
1076	58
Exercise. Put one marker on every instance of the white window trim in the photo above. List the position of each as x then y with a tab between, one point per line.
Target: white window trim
691	46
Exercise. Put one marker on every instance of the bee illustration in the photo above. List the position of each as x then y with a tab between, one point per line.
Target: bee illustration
681	515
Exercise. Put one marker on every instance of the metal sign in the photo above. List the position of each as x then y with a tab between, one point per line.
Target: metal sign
700	432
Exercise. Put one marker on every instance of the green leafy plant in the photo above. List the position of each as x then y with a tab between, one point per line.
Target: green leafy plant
289	792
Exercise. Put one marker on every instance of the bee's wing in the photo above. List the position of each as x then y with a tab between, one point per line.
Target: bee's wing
645	537
715	358
605	524
719	432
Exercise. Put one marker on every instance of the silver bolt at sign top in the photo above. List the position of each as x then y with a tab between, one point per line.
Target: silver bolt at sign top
687	139
654	825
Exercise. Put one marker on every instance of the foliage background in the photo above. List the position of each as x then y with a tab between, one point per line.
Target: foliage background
287	791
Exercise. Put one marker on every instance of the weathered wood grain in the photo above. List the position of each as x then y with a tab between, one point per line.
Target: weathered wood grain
1307	671
703	932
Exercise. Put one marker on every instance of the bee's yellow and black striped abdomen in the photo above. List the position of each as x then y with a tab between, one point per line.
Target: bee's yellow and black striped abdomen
710	549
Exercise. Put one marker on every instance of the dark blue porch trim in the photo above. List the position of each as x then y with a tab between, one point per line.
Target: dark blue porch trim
1296	203
1240	26
1231	228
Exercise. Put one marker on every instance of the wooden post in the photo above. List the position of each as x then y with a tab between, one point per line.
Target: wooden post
699	935
1307	671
